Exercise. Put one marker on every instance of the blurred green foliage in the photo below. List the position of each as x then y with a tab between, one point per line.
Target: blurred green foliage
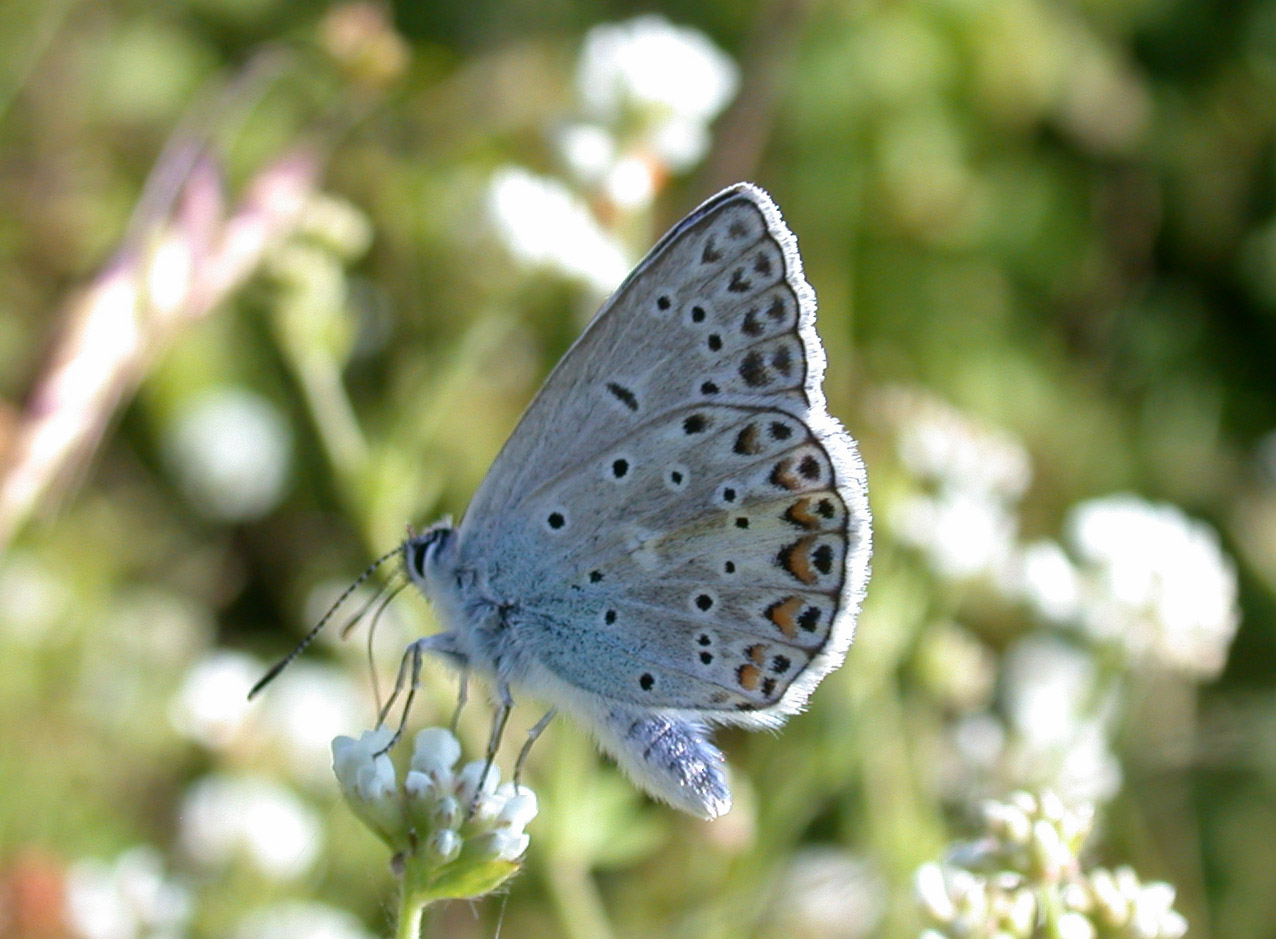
1058	218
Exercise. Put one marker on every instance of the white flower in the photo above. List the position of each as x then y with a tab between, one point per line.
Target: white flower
434	752
212	704
544	225
1155	582
301	921
939	444
1060	732
1043	575
230	450
224	817
670	81
970	478
436	810
362	766
963	534
1145	911
128	899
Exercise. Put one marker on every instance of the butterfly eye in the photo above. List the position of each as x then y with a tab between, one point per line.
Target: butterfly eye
416	557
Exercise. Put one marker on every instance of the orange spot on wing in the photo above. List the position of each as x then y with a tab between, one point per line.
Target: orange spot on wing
756	652
800	514
783	475
784	615
796	559
748	676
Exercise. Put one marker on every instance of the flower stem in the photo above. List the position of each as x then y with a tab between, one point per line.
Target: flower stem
411	915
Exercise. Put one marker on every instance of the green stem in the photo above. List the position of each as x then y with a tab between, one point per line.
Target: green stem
1052	910
411	914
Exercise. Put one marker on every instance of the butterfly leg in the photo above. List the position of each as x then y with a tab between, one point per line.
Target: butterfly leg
499	720
410	664
462	695
532	735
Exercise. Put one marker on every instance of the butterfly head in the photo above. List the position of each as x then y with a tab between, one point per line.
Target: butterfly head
421	551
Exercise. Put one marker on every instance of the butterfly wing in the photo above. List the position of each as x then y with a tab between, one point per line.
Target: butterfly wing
677	522
677	532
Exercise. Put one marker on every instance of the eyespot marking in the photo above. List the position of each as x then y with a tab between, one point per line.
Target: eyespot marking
750	325
810	467
728	567
778	310
782	360
595	576
706	657
762	264
782	476
747	442
704	603
783	612
753	370
795	559
556	520
741	522
619	468
810	619
646	681
780	430
609	617
737	229
780	664
694	424
728	493
663	302
739	283
768	687
709	388
710	254
822	558
697	314
714	342
704	639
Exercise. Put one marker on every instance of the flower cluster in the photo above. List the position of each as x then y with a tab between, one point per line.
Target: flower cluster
647	92
1024	878
454	833
132	897
972	477
1152	582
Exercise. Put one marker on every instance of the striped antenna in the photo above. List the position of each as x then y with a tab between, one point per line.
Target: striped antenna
310	636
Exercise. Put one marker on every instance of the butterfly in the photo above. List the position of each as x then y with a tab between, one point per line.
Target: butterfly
677	533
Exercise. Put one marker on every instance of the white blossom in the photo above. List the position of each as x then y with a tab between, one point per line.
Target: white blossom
301	921
436	807
543	224
669	81
1154	582
230	450
130	898
227	817
969	480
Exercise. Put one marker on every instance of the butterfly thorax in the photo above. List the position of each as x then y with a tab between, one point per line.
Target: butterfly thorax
475	631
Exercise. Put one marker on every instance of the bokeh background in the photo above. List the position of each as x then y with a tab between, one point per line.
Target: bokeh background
276	280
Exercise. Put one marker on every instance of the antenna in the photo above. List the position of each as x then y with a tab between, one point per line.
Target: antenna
310	636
